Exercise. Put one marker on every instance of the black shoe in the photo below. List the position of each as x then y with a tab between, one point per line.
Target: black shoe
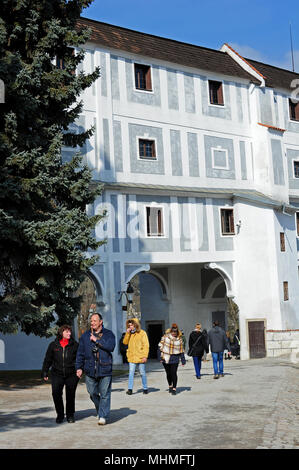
70	419
145	391
170	389
198	377
59	419
129	392
173	392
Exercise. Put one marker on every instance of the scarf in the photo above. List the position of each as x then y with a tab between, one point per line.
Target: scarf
64	342
170	345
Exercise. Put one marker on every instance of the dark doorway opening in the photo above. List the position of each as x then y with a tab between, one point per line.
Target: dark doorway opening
220	316
256	333
155	333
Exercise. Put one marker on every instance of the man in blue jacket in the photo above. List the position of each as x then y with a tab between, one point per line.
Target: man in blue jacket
94	358
218	342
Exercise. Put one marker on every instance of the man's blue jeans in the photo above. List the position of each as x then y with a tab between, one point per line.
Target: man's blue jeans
100	393
132	367
217	362
197	365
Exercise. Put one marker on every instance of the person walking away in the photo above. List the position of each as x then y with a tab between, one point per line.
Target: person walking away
137	353
94	358
236	344
227	351
170	352
123	349
217	343
61	358
198	345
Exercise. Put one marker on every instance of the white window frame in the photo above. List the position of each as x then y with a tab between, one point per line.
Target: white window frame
289	115
227	234
152	77
293	167
146	137
210	79
297	212
221	149
155	206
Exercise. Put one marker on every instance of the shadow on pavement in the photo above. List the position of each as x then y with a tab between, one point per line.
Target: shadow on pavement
27	419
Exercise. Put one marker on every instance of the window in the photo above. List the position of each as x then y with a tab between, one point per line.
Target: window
297	223
285	290
216	92
154	222
227	222
60	62
143	79
147	149
296	169
294	110
282	242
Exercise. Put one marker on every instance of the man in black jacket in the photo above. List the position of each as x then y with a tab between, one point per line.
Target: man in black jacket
218	342
61	358
198	344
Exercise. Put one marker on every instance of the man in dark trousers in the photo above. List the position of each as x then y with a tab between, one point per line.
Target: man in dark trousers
218	342
94	357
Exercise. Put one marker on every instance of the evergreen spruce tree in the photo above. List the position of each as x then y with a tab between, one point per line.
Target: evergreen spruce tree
45	232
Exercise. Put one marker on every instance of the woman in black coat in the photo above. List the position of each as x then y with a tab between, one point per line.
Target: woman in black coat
61	357
198	344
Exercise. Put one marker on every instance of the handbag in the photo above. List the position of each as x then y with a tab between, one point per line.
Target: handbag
193	345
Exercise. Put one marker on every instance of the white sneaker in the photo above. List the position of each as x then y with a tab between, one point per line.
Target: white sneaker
102	421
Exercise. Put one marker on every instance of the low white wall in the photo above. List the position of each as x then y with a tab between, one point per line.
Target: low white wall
283	343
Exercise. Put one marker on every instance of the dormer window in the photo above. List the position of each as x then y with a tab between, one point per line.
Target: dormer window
143	80
294	110
216	92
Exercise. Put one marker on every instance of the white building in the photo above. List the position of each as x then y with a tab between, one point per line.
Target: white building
198	151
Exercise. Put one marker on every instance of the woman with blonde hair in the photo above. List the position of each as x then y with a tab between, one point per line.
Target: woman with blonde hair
198	344
137	353
170	352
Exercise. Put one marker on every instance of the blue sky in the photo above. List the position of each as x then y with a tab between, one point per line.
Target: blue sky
257	29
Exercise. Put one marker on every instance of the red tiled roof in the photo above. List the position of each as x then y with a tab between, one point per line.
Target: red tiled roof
167	50
272	127
275	77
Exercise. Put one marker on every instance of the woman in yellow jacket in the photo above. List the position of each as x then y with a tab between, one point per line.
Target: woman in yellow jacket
137	352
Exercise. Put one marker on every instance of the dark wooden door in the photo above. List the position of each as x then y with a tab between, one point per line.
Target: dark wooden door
155	333
257	347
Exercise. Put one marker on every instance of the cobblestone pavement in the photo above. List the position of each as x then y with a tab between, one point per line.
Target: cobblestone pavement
254	406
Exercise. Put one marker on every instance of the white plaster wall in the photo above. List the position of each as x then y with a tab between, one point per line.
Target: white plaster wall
255	270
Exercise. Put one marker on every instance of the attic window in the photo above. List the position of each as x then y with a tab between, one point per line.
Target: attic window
294	110
60	62
216	92
143	79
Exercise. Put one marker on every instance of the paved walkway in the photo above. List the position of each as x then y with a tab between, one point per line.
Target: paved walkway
255	406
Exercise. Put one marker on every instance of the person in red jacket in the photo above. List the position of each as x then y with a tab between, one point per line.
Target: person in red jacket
61	358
